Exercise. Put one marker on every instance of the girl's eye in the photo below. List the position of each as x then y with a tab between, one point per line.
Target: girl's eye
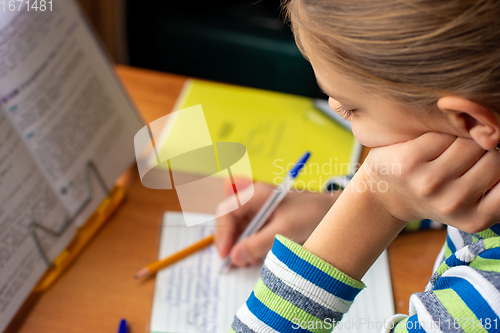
345	113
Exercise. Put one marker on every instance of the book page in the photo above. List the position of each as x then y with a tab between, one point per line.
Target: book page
190	295
25	196
62	96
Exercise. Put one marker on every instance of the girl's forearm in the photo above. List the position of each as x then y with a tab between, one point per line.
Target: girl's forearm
355	231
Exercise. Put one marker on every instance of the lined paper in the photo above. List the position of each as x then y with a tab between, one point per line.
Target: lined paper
374	305
191	297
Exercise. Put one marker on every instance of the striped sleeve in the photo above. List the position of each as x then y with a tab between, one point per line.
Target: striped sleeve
462	296
296	292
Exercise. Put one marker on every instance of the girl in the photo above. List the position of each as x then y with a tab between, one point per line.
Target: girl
420	82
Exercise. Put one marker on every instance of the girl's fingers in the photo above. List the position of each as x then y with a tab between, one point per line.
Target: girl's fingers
225	233
254	248
489	206
460	156
230	225
429	146
481	177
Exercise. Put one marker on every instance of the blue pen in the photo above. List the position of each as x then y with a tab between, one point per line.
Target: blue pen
270	205
123	326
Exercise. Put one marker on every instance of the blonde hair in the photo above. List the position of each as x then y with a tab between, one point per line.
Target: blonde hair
413	50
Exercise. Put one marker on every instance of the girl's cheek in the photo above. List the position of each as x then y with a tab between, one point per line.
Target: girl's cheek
366	135
358	133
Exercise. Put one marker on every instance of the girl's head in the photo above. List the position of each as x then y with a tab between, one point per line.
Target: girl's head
406	67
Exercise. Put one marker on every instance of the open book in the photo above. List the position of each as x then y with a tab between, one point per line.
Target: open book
61	108
192	297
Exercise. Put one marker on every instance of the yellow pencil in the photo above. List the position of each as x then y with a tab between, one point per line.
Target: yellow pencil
159	264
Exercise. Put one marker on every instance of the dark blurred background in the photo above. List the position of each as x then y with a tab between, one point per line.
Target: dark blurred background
243	42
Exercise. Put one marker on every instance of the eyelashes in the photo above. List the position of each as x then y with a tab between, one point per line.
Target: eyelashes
344	112
341	110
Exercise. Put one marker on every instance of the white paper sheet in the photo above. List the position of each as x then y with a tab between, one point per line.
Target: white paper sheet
191	297
374	305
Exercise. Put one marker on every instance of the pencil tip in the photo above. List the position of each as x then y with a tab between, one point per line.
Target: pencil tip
142	273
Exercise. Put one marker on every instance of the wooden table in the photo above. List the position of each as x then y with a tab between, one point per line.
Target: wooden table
99	289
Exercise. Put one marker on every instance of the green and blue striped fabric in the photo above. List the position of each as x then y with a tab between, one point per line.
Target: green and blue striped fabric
299	292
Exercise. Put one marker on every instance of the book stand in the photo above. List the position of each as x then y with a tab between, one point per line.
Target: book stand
83	235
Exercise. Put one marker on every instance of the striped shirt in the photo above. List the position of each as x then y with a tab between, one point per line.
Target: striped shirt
299	292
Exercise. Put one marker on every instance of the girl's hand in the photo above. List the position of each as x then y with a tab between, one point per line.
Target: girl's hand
437	176
444	178
296	217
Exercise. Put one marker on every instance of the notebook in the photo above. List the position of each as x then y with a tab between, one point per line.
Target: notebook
275	128
191	297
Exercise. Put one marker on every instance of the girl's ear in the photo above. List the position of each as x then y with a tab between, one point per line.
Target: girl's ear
472	120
